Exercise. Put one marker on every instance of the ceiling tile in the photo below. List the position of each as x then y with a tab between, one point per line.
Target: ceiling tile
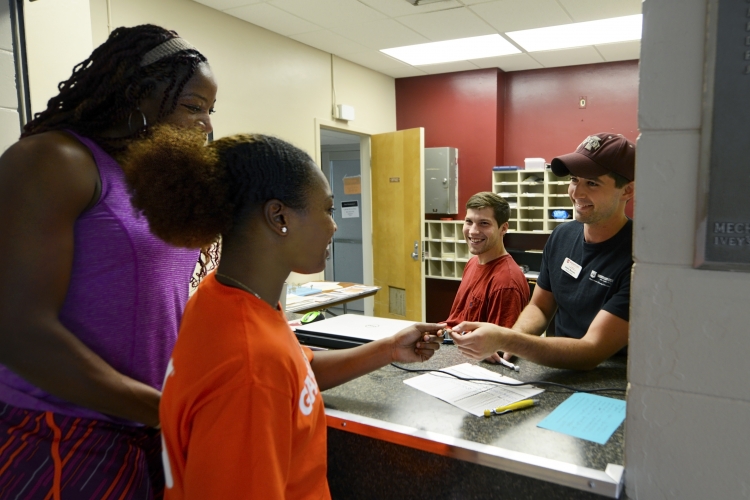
329	42
512	62
380	34
274	19
396	8
227	4
568	57
514	15
329	13
451	67
624	51
353	29
590	10
380	62
448	24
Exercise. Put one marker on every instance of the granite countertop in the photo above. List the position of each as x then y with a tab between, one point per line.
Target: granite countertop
382	395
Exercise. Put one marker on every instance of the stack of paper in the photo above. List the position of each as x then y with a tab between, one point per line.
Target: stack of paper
323	286
318	292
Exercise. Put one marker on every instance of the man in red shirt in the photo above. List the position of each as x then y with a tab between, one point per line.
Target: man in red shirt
493	288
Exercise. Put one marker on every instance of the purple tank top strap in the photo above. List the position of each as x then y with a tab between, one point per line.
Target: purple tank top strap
106	165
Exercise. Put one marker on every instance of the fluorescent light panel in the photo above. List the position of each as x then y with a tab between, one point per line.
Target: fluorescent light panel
616	29
462	49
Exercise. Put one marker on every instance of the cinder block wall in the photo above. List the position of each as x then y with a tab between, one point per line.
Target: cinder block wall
689	400
9	124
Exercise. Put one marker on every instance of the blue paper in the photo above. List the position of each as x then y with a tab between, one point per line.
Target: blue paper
303	290
586	416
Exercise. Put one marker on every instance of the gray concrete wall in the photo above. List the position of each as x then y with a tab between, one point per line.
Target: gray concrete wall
689	402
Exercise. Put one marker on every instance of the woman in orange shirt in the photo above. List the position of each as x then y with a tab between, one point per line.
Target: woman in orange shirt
241	412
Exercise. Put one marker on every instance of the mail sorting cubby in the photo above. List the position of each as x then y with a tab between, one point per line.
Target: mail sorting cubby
505	184
538	198
446	251
559	206
531	201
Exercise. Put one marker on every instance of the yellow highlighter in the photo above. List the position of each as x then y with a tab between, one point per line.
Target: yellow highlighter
519	405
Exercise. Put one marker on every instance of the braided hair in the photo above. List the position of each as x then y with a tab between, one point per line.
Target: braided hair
105	89
192	194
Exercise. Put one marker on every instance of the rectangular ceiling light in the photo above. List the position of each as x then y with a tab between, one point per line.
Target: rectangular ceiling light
616	29
461	49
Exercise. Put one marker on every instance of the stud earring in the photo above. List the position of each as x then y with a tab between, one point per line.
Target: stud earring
283	229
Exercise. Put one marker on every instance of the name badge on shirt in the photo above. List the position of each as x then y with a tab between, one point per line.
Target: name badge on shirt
571	268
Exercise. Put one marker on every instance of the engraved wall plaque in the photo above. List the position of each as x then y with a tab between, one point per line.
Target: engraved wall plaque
723	236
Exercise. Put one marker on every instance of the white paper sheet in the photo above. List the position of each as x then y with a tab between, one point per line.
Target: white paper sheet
355	289
293	300
322	285
474	397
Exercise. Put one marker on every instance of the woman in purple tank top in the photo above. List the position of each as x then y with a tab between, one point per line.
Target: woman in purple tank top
91	301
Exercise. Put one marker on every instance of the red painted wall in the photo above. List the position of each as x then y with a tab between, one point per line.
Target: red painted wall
497	118
500	127
459	110
542	114
543	118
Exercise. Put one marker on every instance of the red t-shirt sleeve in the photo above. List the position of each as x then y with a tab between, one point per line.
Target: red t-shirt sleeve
505	306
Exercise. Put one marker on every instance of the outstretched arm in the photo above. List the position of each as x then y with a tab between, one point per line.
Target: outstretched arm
415	343
606	335
535	317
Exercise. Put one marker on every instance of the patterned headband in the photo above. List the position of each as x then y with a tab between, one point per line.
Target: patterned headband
166	49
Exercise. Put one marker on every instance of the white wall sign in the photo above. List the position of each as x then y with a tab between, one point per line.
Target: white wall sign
349	209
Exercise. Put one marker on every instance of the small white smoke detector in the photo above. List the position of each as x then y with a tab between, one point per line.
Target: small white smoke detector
344	112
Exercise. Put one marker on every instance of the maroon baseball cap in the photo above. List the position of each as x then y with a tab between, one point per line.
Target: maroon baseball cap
597	155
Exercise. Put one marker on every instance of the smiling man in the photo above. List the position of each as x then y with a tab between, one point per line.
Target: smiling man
493	288
584	280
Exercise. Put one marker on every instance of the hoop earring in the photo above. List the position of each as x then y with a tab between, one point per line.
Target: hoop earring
283	229
144	126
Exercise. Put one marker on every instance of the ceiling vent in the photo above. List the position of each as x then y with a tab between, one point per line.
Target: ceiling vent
417	3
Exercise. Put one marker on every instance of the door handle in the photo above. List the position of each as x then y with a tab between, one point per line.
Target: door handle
415	253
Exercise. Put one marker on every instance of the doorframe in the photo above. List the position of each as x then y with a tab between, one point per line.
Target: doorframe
348	150
364	157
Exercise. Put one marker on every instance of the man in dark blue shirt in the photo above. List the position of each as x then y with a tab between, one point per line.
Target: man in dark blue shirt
584	280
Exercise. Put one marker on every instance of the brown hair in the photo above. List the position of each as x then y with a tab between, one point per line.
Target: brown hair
620	181
499	206
191	193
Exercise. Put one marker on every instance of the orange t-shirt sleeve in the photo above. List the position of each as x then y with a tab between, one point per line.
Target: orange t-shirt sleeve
308	352
234	452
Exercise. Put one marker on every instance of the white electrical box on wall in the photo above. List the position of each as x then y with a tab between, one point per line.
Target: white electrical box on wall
344	112
440	180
